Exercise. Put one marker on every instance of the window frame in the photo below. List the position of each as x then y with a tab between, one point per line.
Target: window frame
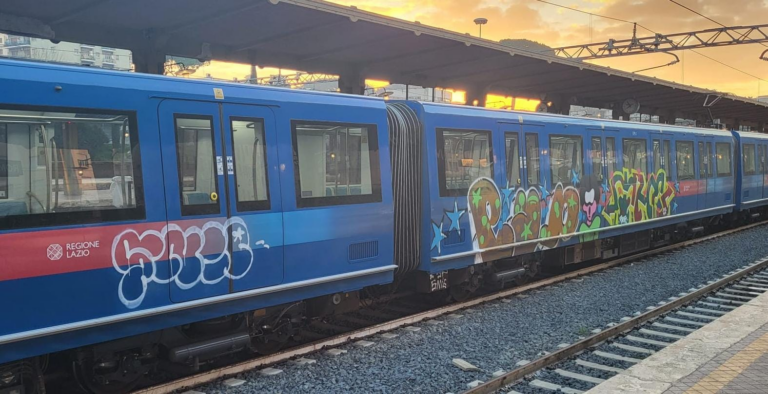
257	205
440	145
529	161
197	209
610	163
551	168
326	201
507	136
730	160
108	215
702	160
693	159
644	143
744	160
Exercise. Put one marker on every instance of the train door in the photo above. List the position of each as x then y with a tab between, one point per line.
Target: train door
595	171
702	160
253	196
764	167
214	245
513	155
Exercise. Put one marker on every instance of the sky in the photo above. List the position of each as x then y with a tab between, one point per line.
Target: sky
555	26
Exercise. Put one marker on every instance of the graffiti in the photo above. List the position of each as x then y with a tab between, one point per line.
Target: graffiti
634	197
196	255
541	218
531	215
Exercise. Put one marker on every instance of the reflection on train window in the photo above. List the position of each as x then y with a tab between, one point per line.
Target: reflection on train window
656	156
723	152
597	156
250	160
335	164
513	160
610	155
761	148
749	159
667	157
565	159
463	156
702	161
635	154
57	165
195	156
685	169
532	163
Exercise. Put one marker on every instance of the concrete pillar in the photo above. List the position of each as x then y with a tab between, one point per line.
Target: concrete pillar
761	127
352	82
616	111
476	95
149	61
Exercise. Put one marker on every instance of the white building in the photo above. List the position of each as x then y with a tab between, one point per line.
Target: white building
44	50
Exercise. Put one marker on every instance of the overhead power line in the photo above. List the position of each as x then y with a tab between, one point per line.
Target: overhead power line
654	32
704	16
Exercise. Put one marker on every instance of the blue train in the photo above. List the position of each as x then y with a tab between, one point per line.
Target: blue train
149	221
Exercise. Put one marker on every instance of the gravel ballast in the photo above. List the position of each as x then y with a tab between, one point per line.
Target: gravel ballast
496	335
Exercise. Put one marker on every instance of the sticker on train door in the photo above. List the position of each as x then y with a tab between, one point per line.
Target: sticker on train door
219	165
230	166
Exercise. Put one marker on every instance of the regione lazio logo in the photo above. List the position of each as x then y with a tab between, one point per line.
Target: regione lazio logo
55	251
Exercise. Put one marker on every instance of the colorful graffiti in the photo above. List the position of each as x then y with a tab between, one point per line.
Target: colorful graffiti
501	218
634	197
541	218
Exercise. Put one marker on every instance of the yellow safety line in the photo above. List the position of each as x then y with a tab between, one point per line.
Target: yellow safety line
732	368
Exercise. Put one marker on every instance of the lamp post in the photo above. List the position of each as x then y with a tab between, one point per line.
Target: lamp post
480	22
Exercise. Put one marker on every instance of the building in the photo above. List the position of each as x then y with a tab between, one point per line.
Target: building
44	50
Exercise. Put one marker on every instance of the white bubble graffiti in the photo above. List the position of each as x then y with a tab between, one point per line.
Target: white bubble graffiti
178	238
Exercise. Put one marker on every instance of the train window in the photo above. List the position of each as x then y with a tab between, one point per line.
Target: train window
196	164
723	151
635	154
685	160
565	159
656	155
513	160
749	159
463	156
702	161
597	156
250	159
610	155
532	163
335	164
762	158
710	160
68	166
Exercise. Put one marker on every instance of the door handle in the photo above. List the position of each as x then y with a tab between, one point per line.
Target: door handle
214	196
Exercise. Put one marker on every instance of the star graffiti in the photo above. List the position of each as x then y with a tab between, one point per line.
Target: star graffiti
455	217
438	236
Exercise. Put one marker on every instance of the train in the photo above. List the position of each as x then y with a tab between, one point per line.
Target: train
149	222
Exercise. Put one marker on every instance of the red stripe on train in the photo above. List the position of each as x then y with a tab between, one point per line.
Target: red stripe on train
51	252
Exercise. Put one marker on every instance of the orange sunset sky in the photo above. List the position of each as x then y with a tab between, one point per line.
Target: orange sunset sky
554	26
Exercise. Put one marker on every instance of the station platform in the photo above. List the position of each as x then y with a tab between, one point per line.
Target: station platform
728	355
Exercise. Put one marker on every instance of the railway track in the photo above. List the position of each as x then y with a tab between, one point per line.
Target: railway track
583	365
351	335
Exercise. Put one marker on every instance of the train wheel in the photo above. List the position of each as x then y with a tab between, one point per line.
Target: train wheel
461	291
108	376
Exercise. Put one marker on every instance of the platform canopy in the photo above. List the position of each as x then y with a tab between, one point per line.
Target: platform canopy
322	37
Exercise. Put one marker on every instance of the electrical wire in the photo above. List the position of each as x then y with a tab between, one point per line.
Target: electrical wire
654	32
705	17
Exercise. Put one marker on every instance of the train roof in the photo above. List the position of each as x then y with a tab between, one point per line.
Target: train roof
521	116
173	87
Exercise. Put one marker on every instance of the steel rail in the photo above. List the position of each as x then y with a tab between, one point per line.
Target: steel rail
212	375
518	374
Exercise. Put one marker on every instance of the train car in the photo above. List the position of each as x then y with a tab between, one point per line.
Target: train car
150	222
752	185
507	194
130	204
